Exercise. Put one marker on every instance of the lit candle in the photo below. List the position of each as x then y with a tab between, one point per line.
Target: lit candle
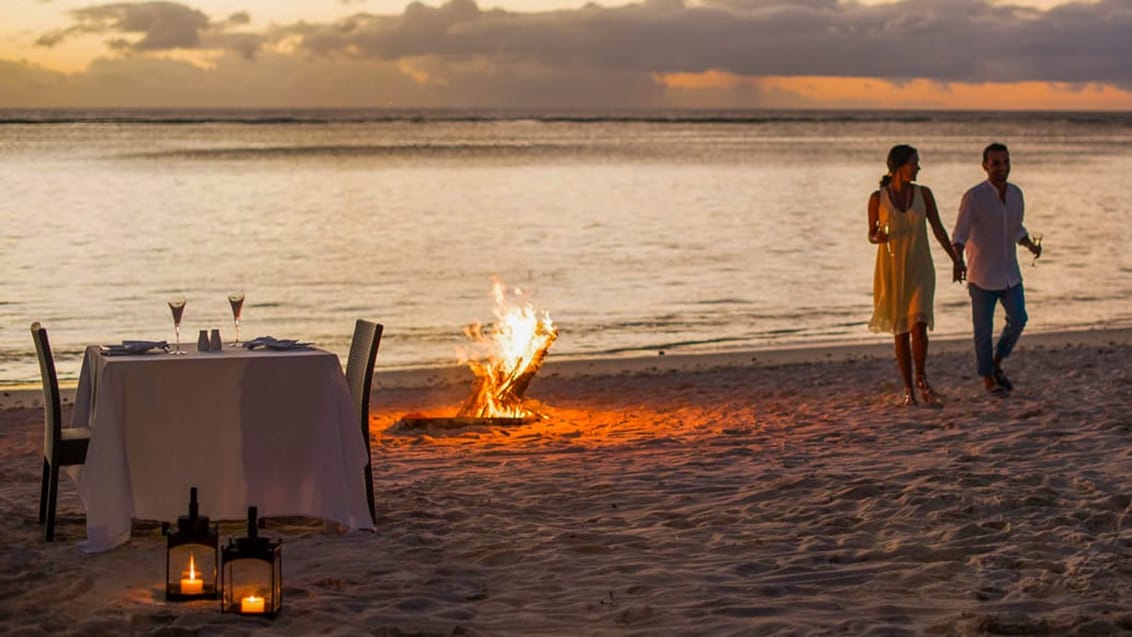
251	604
191	585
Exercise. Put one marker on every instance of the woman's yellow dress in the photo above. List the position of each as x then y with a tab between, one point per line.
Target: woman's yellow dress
904	279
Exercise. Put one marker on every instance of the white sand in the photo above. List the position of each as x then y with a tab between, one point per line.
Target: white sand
679	495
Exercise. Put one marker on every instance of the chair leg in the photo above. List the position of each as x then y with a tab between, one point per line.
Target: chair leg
52	495
43	491
369	493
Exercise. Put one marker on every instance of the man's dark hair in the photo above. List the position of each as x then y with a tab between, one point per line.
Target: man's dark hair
994	147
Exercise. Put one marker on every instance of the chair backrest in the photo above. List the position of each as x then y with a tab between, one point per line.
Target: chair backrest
359	368
52	411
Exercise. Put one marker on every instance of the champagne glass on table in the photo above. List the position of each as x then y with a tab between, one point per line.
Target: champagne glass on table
1036	239
177	307
236	300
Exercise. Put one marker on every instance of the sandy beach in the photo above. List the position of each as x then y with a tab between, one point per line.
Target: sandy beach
753	493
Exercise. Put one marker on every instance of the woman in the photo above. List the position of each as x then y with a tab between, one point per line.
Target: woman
904	279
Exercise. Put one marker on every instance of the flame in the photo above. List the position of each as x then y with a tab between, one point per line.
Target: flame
514	348
192	567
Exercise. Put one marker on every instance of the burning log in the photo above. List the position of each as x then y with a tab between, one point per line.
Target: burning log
500	384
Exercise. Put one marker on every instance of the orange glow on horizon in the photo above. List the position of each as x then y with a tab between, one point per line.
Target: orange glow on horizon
868	92
81	67
419	75
709	79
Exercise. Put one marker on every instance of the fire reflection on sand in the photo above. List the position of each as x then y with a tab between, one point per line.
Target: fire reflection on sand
574	427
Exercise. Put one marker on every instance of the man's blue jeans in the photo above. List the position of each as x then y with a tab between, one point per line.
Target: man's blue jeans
1013	301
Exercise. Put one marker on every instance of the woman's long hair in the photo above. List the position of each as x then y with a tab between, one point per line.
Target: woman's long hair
897	157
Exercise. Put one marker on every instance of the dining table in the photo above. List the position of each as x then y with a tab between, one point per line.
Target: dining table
277	430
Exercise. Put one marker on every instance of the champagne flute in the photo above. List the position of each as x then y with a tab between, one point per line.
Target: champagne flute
236	300
886	229
177	307
1036	239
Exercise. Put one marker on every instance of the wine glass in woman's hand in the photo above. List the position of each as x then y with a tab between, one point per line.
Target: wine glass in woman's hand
885	229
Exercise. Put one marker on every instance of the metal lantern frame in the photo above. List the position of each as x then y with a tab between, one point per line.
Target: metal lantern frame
194	535
251	573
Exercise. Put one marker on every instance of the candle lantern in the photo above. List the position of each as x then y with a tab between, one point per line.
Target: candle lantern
192	556
251	574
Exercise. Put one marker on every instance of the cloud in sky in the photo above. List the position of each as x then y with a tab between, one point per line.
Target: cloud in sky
164	25
945	40
156	26
458	50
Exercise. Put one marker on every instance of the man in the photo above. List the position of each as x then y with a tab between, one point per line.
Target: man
987	228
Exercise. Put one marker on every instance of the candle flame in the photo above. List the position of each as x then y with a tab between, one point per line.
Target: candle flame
192	567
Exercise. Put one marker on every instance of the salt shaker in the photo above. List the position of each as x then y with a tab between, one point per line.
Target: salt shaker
202	341
217	344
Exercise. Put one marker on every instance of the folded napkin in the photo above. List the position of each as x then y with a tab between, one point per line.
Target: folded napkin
129	348
272	343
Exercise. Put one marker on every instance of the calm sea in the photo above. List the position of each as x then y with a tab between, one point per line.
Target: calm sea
638	232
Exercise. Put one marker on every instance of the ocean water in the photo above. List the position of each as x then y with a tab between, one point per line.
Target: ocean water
639	232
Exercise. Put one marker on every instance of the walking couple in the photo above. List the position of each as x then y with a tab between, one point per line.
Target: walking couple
988	228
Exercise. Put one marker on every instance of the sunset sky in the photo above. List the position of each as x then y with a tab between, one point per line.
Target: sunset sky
936	54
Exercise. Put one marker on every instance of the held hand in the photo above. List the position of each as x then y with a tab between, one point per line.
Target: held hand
959	272
880	236
1036	249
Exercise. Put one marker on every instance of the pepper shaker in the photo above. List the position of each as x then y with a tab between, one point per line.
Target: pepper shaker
217	344
202	341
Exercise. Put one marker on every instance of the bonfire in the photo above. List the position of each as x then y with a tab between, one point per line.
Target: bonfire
505	356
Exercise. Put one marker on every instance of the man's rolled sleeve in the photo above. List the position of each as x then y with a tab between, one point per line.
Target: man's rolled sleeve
1021	232
962	221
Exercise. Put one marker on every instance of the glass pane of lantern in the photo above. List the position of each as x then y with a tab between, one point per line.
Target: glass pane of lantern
192	569
250	586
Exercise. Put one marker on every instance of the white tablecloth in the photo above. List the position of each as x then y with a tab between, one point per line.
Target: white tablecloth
275	430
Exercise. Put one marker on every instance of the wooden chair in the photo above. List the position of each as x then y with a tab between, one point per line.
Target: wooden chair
359	378
61	447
